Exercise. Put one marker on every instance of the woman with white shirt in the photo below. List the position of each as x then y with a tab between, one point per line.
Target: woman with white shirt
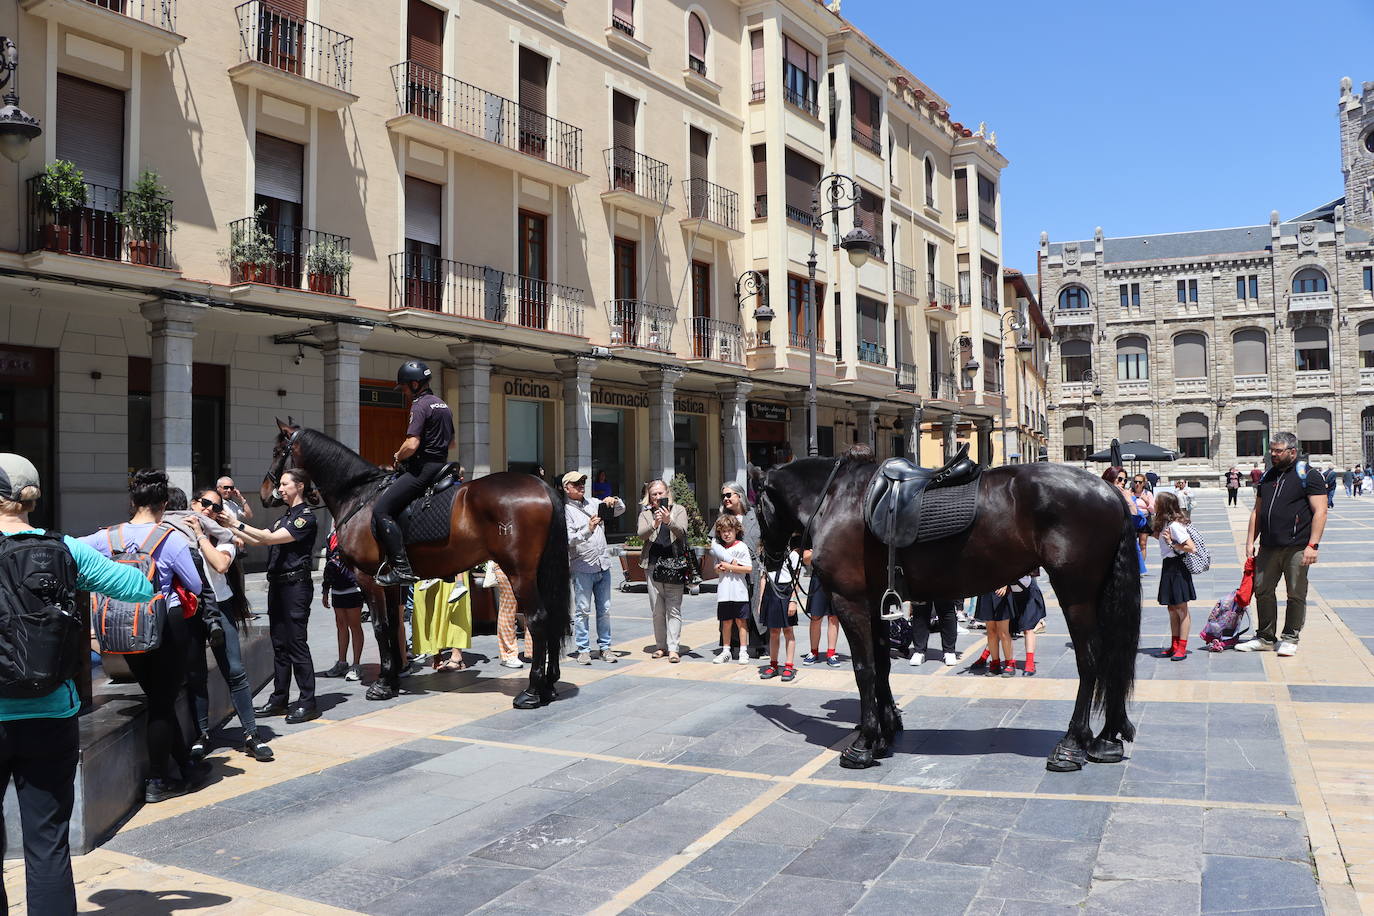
1175	580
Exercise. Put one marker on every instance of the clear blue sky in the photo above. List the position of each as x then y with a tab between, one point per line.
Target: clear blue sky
1148	117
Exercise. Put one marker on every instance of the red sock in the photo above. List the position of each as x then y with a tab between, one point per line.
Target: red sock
984	657
830	653
1030	659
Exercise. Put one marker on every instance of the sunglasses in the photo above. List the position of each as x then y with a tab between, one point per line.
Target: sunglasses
226	486
211	504
1121	480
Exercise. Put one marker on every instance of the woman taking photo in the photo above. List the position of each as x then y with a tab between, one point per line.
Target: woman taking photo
663	528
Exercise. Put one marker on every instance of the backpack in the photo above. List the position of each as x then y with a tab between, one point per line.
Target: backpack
40	631
132	627
1199	561
1223	627
899	636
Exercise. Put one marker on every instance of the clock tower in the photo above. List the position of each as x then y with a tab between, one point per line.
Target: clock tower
1357	152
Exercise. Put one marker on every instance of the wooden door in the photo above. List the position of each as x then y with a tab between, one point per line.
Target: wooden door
382	420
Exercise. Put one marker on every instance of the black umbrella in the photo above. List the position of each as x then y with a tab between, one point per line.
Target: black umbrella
1134	451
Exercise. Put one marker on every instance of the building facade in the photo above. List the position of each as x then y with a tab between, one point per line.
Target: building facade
557	205
1208	342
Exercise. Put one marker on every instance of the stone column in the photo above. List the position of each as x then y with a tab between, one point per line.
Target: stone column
868	424
796	423
911	432
172	336
474	406
342	355
577	414
983	432
661	383
951	443
734	398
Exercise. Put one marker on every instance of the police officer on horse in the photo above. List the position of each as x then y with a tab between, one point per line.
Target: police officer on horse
419	459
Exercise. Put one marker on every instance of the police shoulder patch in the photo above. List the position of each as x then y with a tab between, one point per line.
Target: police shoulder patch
300	523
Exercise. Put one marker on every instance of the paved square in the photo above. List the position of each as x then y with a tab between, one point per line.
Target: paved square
697	788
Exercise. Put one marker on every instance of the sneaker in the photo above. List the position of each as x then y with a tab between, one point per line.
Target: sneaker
160	790
951	658
355	673
1255	645
723	656
768	671
917	658
257	749
609	657
200	747
584	657
811	658
1286	648
512	662
744	658
833	660
789	673
1009	669
338	669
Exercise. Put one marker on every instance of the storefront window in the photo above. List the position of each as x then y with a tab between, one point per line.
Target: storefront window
525	437
688	433
608	454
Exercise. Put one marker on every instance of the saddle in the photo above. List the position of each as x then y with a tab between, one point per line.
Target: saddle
905	503
427	518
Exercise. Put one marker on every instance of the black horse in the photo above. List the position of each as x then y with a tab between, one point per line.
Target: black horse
1056	517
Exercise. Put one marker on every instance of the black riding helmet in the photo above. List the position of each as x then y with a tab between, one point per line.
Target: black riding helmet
413	371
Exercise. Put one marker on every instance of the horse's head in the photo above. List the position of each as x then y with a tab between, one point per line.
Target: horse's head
777	514
285	454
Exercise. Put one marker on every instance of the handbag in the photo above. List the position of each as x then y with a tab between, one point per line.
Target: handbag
672	568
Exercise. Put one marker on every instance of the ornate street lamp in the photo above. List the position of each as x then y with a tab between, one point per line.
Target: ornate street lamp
17	127
753	283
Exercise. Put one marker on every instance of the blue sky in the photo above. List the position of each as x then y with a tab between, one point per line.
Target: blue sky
1145	117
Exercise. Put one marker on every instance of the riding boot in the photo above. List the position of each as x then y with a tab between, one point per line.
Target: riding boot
397	569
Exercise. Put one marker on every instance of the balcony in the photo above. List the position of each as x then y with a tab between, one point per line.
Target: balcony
988	220
293	58
621	34
636	182
101	230
905	282
480	293
804	102
873	353
641	325
148	26
944	387
449	113
865	140
798	340
1312	380
1191	387
1251	385
758	92
713	211
906	376
289	257
1068	318
1310	302
990	303
1130	389
718	341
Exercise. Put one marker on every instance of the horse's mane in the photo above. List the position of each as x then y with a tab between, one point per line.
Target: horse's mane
353	470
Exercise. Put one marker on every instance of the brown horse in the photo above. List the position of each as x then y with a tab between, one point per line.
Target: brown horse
515	519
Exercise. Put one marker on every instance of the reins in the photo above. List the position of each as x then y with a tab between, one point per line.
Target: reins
795	572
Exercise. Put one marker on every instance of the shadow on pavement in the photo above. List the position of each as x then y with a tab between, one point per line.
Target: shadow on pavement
152	903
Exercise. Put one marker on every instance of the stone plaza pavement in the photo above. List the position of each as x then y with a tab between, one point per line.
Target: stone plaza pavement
697	788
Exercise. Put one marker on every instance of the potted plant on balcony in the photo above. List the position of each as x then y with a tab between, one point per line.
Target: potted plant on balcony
60	189
252	250
325	263
147	217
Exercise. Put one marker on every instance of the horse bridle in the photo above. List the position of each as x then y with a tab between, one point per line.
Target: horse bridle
281	451
794	571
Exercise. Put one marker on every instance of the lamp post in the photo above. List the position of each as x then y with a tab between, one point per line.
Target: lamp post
753	283
964	373
17	127
1088	376
1023	348
843	193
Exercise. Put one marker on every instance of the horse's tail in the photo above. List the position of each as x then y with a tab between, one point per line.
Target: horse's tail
1119	630
552	578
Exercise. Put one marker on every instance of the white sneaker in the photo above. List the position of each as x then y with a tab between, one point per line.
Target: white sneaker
951	658
354	673
1256	645
744	658
722	657
917	658
1287	648
512	662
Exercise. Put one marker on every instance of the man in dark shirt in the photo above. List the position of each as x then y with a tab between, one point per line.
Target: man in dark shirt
420	458
1288	518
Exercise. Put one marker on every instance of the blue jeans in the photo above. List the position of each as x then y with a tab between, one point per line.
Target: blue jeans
586	587
229	657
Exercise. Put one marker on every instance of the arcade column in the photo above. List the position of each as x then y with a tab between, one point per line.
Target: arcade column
734	399
473	361
868	424
951	435
171	338
661	383
342	357
577	413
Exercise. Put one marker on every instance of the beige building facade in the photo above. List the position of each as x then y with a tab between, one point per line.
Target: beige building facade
558	205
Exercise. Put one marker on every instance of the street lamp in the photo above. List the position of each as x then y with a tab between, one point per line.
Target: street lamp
17	127
1024	348
1088	376
753	283
843	193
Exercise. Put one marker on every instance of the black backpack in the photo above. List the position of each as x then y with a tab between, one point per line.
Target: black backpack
40	630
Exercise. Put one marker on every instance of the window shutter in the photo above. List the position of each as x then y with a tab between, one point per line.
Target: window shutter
802	175
1190	356
1367	336
90	132
293	9
1131	346
1252	421
280	166
534	81
1314	424
756	56
696	37
424	211
624	10
425	38
1309	338
1192	426
1135	428
761	175
1251	355
623	130
699	144
1077	432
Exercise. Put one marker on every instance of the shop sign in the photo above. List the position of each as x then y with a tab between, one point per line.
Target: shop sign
607	397
380	396
526	388
763	410
17	365
689	405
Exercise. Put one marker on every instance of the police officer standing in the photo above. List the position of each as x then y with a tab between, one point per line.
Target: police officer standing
290	592
420	458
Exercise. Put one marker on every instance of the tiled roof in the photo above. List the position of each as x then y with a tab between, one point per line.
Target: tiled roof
1178	246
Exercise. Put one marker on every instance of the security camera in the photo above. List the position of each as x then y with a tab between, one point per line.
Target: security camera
601	352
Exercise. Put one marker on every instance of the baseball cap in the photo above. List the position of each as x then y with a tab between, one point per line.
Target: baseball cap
574	477
16	473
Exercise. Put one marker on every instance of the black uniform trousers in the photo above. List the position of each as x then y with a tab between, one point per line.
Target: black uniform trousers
40	754
288	616
419	476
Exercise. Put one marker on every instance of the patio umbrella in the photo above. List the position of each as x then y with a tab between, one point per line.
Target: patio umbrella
1136	451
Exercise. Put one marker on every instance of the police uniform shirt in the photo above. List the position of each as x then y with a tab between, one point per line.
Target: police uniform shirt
293	556
432	422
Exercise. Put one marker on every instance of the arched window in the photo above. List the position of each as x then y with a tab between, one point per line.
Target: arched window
1312	348
1251	351
1135	427
696	44
1078	438
1309	280
1314	431
1192	435
1073	297
1190	355
1132	358
1075	359
930	182
1252	433
1367	345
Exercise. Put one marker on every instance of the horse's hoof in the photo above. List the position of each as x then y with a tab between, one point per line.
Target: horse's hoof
882	752
1065	759
526	700
1106	750
548	696
854	759
381	691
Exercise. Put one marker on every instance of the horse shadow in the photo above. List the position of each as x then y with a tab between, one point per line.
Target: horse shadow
152	903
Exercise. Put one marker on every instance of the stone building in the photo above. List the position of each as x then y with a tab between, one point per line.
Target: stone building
1207	342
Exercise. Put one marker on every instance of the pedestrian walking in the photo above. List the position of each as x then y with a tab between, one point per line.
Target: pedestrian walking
1183	495
1348	479
339	591
1256	473
39	732
590	563
1028	606
779	612
662	526
507	634
732	589
1359	479
1330	477
1232	485
1287	521
1175	580
820	612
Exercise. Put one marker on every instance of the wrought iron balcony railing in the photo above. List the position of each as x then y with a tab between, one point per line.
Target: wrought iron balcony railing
709	201
873	353
472	110
629	170
793	212
797	340
906	376
696	65
989	301
621	23
961	213
287	42
757	92
722	341
988	220
944	386
420	281
102	227
867	141
804	102
904	279
278	254
941	294
644	325
161	13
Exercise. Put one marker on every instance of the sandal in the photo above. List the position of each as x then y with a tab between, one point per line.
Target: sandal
658	653
674	658
788	672
452	665
767	671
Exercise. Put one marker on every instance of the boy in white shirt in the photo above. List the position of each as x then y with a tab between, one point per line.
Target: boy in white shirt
732	588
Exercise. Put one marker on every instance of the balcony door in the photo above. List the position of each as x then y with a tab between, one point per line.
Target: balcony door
698	162
281	34
90	135
626	322
534	267
624	113
534	92
278	193
423	275
425	60
703	342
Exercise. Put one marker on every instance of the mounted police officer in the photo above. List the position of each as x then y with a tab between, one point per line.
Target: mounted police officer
420	458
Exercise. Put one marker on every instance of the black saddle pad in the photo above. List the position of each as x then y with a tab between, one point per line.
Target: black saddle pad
946	512
427	518
905	505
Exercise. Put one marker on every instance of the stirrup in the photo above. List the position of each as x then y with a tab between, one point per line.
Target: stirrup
896	609
389	575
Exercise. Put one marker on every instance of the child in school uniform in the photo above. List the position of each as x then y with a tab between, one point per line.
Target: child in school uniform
820	612
1175	580
732	588
779	614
